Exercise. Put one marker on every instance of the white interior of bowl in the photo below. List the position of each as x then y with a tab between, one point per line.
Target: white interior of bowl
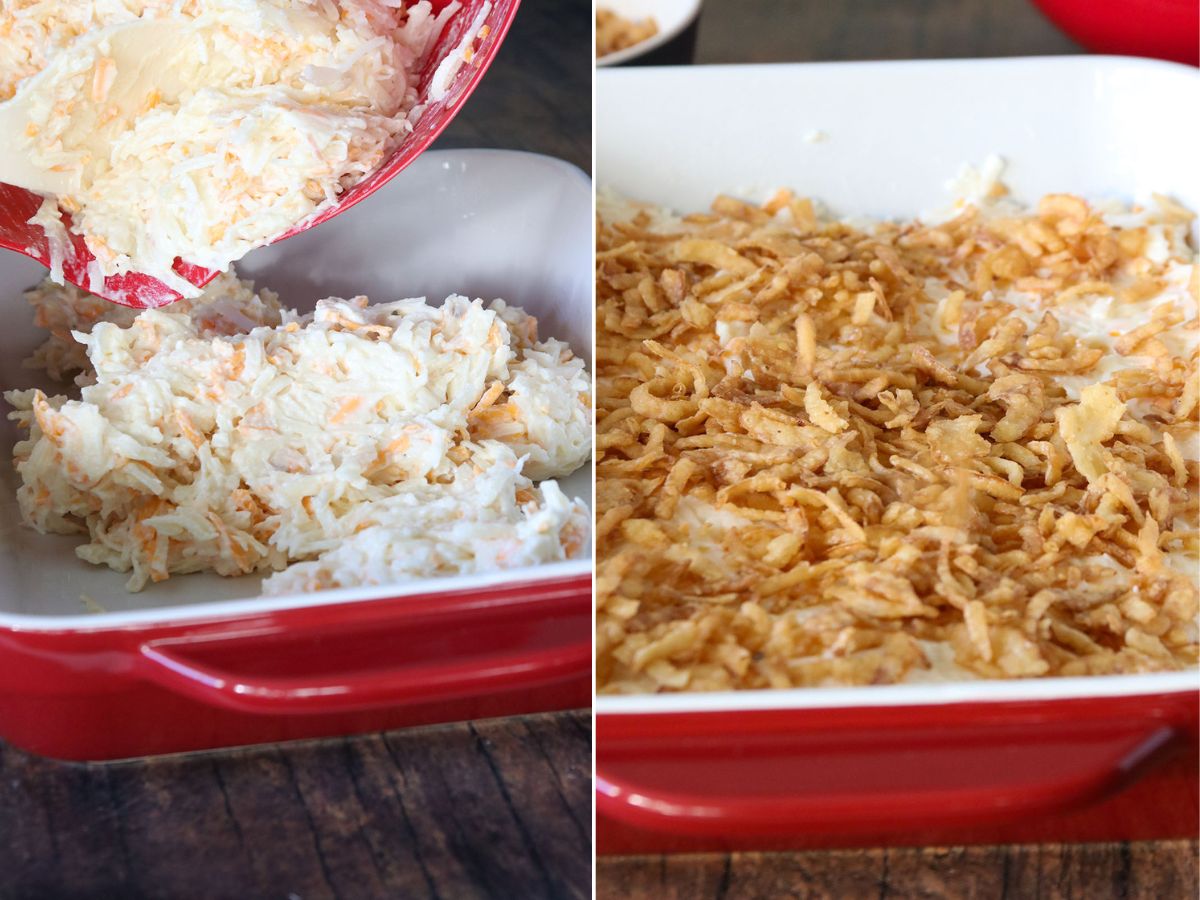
892	136
483	223
671	16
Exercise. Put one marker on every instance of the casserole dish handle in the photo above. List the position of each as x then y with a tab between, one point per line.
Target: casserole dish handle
413	649
426	681
744	783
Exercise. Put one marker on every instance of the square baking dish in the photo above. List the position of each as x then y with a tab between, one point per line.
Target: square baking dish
910	764
200	661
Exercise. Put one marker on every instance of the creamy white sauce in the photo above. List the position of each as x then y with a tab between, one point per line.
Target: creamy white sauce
702	519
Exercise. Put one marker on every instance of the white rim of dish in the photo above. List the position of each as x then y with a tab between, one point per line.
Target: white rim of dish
651	43
249	606
1082	60
950	692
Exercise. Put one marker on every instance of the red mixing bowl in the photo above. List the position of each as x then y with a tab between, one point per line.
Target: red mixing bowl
1163	29
142	292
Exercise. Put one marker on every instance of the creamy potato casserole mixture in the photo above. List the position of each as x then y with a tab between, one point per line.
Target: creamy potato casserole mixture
201	129
835	453
358	444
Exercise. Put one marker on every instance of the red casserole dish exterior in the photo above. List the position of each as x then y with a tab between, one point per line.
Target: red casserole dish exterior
975	772
338	668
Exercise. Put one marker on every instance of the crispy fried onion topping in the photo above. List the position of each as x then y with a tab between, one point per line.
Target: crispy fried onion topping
830	455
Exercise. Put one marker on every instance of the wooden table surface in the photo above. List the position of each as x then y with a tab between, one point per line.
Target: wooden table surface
1151	871
538	94
487	809
500	808
733	31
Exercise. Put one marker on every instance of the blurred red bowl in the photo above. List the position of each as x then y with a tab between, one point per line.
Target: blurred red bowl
1163	29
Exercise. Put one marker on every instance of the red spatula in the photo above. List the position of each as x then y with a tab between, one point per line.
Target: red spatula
143	292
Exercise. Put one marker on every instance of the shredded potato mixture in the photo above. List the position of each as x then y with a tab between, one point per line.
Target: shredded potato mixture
227	305
831	454
357	445
215	127
615	32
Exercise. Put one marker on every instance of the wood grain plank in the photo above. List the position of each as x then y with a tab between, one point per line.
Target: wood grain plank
385	825
808	875
558	742
457	793
467	810
142	799
698	877
27	832
1162	870
82	815
279	847
532	787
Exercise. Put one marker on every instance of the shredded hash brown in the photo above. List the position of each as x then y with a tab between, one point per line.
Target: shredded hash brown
800	484
615	32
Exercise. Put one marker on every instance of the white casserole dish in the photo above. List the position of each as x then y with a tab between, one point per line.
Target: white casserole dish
880	140
478	222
